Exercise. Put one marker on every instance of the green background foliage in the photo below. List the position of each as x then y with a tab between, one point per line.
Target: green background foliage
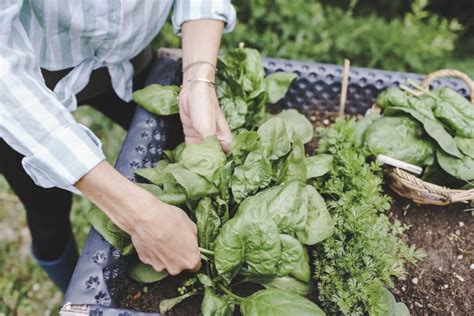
382	34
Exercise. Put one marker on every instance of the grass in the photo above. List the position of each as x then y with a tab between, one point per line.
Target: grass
25	288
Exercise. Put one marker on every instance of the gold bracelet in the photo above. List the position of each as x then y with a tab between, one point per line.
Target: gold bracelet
202	80
199	62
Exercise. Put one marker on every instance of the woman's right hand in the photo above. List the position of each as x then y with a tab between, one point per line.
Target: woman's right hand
166	238
163	235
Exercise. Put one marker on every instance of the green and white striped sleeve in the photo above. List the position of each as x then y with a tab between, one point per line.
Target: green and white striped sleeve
58	151
188	10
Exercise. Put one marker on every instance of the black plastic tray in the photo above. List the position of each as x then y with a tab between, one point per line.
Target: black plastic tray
101	268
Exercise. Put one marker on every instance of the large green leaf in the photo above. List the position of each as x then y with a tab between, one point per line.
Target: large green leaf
113	234
400	138
285	283
248	238
432	127
293	166
204	159
145	273
215	305
461	168
277	84
249	177
455	111
158	99
319	224
234	109
465	145
208	223
318	165
278	303
293	260
195	185
297	124
274	138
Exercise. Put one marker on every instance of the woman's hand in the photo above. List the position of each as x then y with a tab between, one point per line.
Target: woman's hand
163	235
201	115
166	238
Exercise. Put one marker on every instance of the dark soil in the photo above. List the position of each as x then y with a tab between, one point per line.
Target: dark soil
440	284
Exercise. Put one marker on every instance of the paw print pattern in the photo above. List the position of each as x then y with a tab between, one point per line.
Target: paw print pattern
103	298
92	283
100	258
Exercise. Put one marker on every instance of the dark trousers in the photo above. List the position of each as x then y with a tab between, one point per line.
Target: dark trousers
47	210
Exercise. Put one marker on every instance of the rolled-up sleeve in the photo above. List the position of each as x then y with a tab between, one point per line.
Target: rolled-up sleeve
188	10
58	151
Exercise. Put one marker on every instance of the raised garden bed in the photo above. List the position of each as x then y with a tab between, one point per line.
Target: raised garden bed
100	283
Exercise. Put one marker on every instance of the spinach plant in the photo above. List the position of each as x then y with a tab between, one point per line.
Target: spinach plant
434	130
255	215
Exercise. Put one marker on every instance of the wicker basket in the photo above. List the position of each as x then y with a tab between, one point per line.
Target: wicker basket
422	192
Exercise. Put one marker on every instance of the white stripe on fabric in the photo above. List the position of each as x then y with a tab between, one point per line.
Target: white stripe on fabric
78	24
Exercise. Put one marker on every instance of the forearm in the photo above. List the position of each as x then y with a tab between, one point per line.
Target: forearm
119	198
201	41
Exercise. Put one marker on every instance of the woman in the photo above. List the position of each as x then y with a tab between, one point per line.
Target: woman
54	54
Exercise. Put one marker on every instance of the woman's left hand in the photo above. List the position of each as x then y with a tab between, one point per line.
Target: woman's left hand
201	115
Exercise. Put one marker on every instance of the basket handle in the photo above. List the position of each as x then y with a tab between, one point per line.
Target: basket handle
450	73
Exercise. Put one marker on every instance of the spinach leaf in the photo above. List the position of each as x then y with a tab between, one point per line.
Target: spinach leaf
285	283
204	159
158	99
364	123
244	142
274	138
254	174
215	305
461	168
287	206
455	111
247	238
382	302
278	303
195	185
465	145
297	124
293	166
112	233
400	138
432	127
145	273
235	109
208	223
319	224
318	165
277	83
172	195
291	253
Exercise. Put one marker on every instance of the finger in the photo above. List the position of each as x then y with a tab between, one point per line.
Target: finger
159	267
224	134
197	263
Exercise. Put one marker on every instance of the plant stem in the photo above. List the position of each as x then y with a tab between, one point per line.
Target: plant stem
206	251
228	292
204	258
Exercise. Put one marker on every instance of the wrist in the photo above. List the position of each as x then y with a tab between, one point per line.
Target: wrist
204	71
119	198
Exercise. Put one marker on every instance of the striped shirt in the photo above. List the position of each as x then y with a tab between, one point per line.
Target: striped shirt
83	35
